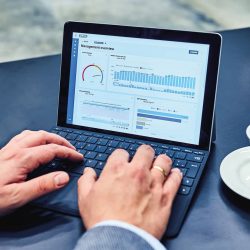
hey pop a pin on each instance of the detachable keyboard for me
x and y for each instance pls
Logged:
(96, 148)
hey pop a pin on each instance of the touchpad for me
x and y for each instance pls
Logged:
(63, 200)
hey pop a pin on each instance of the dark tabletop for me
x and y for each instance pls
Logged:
(217, 219)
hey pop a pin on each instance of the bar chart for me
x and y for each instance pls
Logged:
(167, 80)
(183, 86)
(145, 118)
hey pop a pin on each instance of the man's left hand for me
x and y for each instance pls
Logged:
(24, 153)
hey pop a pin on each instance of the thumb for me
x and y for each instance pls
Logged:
(86, 182)
(44, 184)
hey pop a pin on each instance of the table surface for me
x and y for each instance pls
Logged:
(217, 219)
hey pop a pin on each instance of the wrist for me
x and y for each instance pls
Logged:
(149, 238)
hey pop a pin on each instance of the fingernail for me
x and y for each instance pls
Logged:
(61, 179)
(177, 170)
(85, 170)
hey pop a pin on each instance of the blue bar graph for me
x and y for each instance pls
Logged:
(145, 87)
(167, 80)
(163, 118)
(139, 127)
(157, 115)
(150, 112)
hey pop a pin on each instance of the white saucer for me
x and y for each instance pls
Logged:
(235, 171)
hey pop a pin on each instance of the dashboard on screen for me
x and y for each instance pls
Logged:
(146, 87)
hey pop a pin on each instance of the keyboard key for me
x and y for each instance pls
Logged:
(100, 165)
(180, 155)
(102, 142)
(63, 134)
(82, 151)
(81, 138)
(80, 145)
(164, 146)
(72, 142)
(192, 172)
(180, 163)
(193, 165)
(110, 150)
(153, 145)
(109, 137)
(71, 136)
(77, 132)
(98, 135)
(187, 181)
(169, 153)
(57, 128)
(193, 157)
(184, 190)
(91, 163)
(158, 151)
(54, 165)
(183, 170)
(141, 142)
(101, 149)
(113, 144)
(90, 155)
(54, 131)
(90, 147)
(92, 140)
(65, 166)
(187, 151)
(119, 138)
(175, 148)
(68, 130)
(198, 152)
(123, 145)
(129, 140)
(87, 133)
(101, 157)
(133, 146)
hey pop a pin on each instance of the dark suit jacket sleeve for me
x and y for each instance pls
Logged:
(111, 237)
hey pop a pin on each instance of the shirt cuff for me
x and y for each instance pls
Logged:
(151, 240)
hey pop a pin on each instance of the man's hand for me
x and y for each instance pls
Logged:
(133, 192)
(24, 153)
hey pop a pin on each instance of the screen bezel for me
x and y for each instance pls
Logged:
(212, 39)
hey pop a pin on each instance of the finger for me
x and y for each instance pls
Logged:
(143, 157)
(36, 138)
(161, 162)
(21, 135)
(172, 184)
(118, 159)
(40, 155)
(18, 137)
(41, 185)
(85, 183)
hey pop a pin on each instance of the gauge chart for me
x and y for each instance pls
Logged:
(92, 73)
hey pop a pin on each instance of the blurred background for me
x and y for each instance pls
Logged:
(32, 28)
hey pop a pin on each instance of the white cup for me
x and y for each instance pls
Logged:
(248, 133)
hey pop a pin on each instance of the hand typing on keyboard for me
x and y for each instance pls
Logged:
(24, 153)
(139, 192)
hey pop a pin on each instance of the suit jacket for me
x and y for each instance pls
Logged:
(112, 237)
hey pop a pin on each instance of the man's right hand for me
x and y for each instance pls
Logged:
(135, 192)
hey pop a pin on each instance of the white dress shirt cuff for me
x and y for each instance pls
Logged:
(151, 240)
